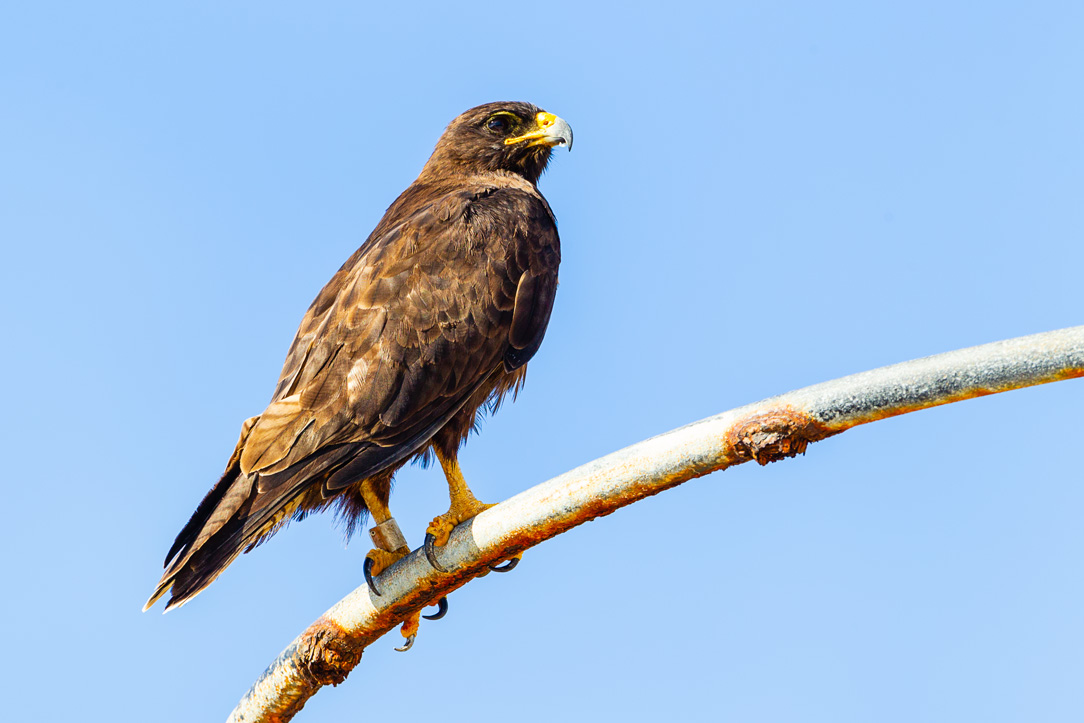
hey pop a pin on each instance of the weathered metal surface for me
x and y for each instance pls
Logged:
(776, 434)
(767, 431)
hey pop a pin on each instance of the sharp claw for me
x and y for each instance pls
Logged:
(367, 568)
(442, 610)
(431, 552)
(506, 567)
(407, 645)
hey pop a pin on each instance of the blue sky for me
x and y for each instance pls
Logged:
(762, 196)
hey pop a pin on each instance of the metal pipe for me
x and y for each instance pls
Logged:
(775, 428)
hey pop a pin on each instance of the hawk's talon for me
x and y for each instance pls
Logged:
(507, 566)
(442, 610)
(377, 561)
(367, 568)
(408, 644)
(431, 552)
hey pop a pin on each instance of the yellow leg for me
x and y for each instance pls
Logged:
(384, 558)
(381, 556)
(464, 504)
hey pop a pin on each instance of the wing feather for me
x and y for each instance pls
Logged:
(428, 315)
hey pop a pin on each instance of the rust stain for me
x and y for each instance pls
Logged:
(775, 434)
(327, 652)
(765, 437)
(1069, 374)
(900, 408)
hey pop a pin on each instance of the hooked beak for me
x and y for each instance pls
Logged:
(552, 131)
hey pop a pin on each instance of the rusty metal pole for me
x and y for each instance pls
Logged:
(766, 431)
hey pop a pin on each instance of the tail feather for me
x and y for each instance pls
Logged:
(207, 506)
(234, 517)
(242, 510)
(202, 568)
(211, 516)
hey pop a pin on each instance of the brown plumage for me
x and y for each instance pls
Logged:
(434, 317)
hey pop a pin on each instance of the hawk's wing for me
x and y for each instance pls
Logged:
(409, 328)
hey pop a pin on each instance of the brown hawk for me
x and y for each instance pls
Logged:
(434, 318)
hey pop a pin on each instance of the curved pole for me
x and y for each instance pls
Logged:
(767, 431)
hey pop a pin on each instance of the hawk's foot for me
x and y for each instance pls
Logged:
(436, 535)
(508, 565)
(379, 560)
(442, 525)
(409, 630)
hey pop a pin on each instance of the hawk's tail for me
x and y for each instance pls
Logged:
(241, 511)
(208, 543)
(214, 535)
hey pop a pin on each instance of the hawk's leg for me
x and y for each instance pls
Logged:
(388, 541)
(464, 506)
(390, 546)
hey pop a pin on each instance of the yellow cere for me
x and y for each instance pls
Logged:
(544, 121)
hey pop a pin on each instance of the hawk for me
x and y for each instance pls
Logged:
(430, 322)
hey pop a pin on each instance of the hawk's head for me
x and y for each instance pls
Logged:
(515, 137)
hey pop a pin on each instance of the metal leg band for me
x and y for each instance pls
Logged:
(387, 535)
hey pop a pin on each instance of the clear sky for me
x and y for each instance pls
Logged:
(762, 196)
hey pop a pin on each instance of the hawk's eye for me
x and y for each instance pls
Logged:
(498, 124)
